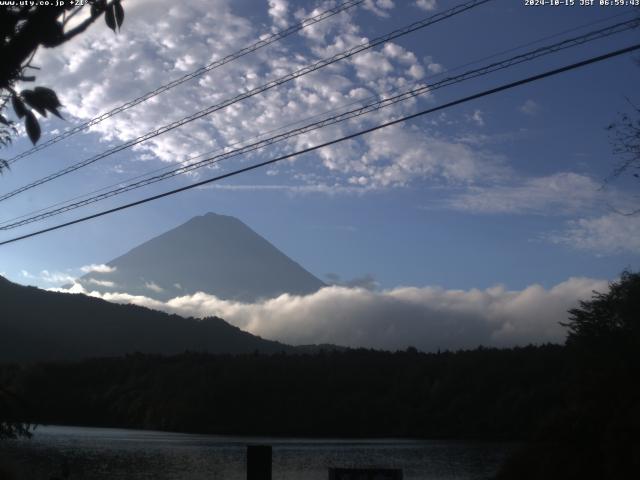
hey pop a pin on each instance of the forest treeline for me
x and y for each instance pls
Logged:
(484, 393)
(575, 406)
(595, 434)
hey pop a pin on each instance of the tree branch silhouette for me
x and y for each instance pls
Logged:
(24, 29)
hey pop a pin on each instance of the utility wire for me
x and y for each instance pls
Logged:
(275, 37)
(484, 93)
(326, 112)
(368, 108)
(267, 86)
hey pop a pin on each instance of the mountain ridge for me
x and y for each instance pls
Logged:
(40, 325)
(212, 253)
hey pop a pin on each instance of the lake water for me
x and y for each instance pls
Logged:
(105, 453)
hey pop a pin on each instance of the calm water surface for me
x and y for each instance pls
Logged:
(105, 453)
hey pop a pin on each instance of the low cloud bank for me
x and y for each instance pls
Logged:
(97, 268)
(428, 318)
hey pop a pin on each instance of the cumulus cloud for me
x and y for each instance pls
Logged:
(427, 5)
(428, 318)
(165, 39)
(607, 234)
(278, 10)
(98, 268)
(433, 67)
(379, 7)
(162, 41)
(416, 155)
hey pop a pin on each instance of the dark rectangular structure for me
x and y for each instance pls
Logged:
(365, 474)
(259, 462)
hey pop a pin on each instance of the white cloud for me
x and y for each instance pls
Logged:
(163, 39)
(607, 234)
(416, 71)
(560, 193)
(594, 227)
(427, 5)
(278, 10)
(101, 283)
(433, 67)
(477, 118)
(379, 7)
(320, 188)
(98, 268)
(45, 276)
(427, 318)
(158, 43)
(530, 107)
(397, 156)
(154, 287)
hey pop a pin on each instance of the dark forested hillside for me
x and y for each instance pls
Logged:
(483, 393)
(41, 325)
(595, 435)
(577, 405)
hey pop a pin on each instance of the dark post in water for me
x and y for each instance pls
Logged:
(258, 462)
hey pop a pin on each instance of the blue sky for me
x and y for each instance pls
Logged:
(503, 190)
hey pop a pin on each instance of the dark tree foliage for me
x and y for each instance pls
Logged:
(36, 324)
(626, 142)
(13, 409)
(596, 433)
(484, 393)
(610, 319)
(23, 29)
(625, 139)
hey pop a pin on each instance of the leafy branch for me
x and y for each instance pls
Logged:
(23, 29)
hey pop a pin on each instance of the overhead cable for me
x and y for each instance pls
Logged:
(267, 40)
(267, 86)
(357, 112)
(362, 101)
(469, 98)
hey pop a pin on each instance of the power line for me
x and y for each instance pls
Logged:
(275, 37)
(485, 93)
(274, 83)
(367, 108)
(296, 122)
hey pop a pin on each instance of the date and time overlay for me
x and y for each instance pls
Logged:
(526, 3)
(582, 3)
